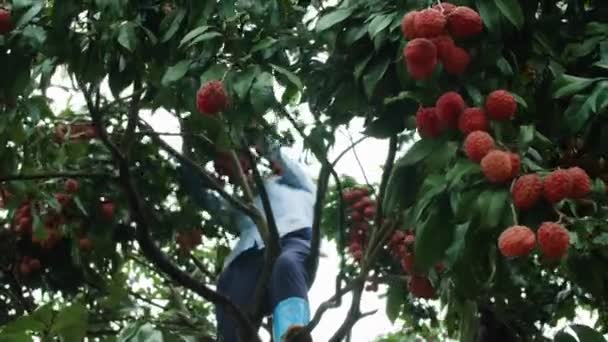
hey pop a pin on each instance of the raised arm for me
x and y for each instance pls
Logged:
(293, 174)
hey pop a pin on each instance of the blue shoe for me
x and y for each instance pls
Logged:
(291, 311)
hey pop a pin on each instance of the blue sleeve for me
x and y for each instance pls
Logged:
(293, 173)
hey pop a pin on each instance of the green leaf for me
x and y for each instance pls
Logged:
(176, 72)
(360, 67)
(293, 78)
(433, 235)
(332, 18)
(419, 151)
(177, 16)
(490, 15)
(587, 334)
(496, 207)
(395, 297)
(456, 249)
(525, 137)
(401, 188)
(127, 37)
(71, 323)
(193, 34)
(29, 15)
(203, 37)
(573, 85)
(563, 336)
(371, 79)
(461, 168)
(215, 72)
(512, 11)
(244, 79)
(379, 23)
(262, 94)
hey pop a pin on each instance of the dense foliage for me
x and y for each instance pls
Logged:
(103, 236)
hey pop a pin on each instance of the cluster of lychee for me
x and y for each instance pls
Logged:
(52, 219)
(401, 247)
(362, 211)
(6, 22)
(530, 189)
(518, 241)
(431, 34)
(212, 98)
(451, 112)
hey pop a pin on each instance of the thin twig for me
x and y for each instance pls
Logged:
(388, 169)
(350, 137)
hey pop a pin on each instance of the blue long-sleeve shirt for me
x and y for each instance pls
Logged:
(292, 198)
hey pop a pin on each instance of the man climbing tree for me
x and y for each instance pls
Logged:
(291, 195)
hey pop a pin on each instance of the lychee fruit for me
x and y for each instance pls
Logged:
(477, 145)
(408, 26)
(557, 185)
(500, 105)
(420, 72)
(107, 209)
(516, 241)
(464, 22)
(515, 164)
(449, 106)
(369, 212)
(63, 199)
(496, 166)
(581, 183)
(71, 186)
(407, 263)
(444, 44)
(428, 123)
(553, 240)
(456, 60)
(429, 23)
(420, 51)
(85, 244)
(35, 265)
(212, 98)
(527, 191)
(6, 22)
(473, 119)
(421, 287)
(445, 7)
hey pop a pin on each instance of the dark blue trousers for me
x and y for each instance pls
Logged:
(289, 278)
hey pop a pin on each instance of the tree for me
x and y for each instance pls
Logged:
(100, 221)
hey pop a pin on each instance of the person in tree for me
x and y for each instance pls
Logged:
(292, 195)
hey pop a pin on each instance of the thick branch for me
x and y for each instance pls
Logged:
(147, 245)
(213, 184)
(132, 118)
(51, 175)
(388, 169)
(273, 247)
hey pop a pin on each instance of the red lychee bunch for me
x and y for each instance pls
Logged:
(23, 219)
(497, 166)
(107, 208)
(449, 106)
(553, 240)
(433, 26)
(420, 57)
(401, 247)
(362, 211)
(557, 185)
(29, 265)
(477, 145)
(85, 244)
(500, 105)
(428, 123)
(473, 119)
(6, 22)
(516, 241)
(188, 240)
(71, 186)
(527, 191)
(212, 98)
(581, 183)
(420, 287)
